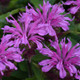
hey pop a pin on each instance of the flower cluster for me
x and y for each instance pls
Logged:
(31, 28)
(23, 34)
(49, 19)
(74, 9)
(8, 54)
(64, 59)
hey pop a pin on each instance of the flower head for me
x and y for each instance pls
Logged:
(74, 9)
(23, 34)
(66, 58)
(7, 55)
(49, 18)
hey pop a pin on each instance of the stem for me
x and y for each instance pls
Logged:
(29, 69)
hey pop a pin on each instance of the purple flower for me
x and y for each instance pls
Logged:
(8, 54)
(66, 58)
(49, 18)
(23, 34)
(74, 9)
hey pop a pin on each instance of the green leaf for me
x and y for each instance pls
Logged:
(73, 41)
(38, 57)
(78, 27)
(37, 72)
(74, 38)
(74, 28)
(12, 3)
(36, 2)
(17, 4)
(12, 13)
(19, 74)
(33, 78)
(2, 17)
(23, 66)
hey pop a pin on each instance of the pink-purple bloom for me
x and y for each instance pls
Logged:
(64, 59)
(8, 54)
(76, 6)
(23, 33)
(49, 17)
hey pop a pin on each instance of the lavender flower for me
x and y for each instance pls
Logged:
(74, 9)
(64, 59)
(49, 18)
(23, 34)
(8, 54)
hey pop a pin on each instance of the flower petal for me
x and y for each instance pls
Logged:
(46, 68)
(60, 67)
